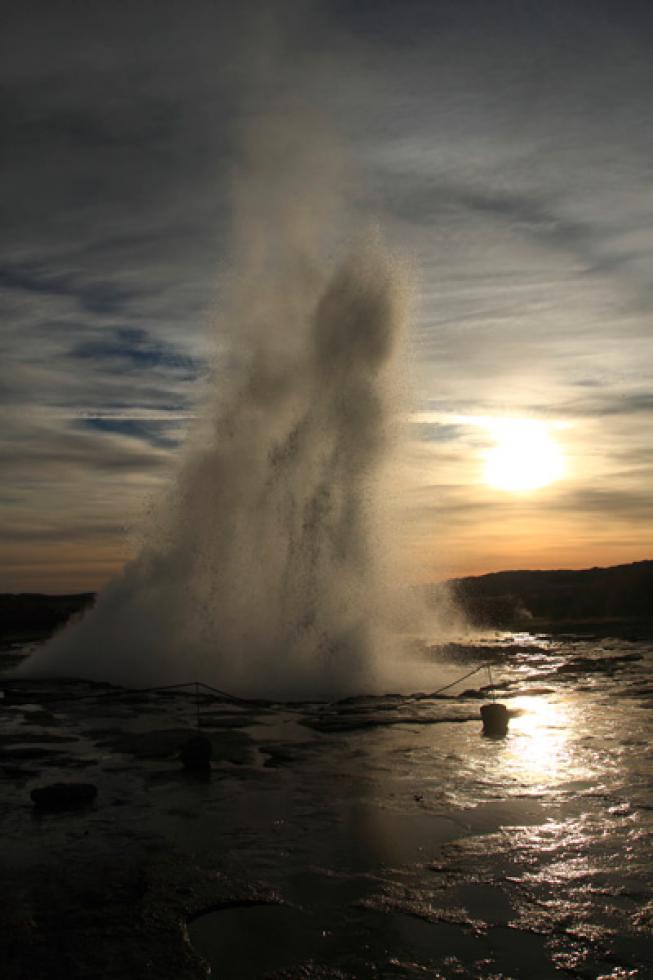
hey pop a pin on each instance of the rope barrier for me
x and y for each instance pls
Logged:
(459, 679)
(129, 691)
(225, 695)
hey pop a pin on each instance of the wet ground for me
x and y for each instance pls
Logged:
(372, 838)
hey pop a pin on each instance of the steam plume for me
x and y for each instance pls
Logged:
(266, 569)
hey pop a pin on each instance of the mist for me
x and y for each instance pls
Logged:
(271, 565)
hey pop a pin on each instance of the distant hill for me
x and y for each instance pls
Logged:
(34, 614)
(561, 596)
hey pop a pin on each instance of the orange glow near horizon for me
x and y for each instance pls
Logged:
(457, 553)
(454, 520)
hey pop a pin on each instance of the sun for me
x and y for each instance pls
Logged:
(524, 457)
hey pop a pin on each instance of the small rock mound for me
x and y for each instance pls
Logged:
(63, 796)
(196, 753)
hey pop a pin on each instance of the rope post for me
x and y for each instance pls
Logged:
(197, 704)
(489, 673)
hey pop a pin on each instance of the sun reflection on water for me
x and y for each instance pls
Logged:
(539, 748)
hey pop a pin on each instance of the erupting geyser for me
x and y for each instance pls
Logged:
(267, 568)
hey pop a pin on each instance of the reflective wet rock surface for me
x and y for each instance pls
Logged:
(375, 837)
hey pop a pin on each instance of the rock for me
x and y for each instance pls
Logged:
(196, 753)
(63, 796)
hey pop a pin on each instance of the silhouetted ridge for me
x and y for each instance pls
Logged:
(563, 595)
(33, 613)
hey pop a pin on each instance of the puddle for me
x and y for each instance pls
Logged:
(257, 941)
(246, 943)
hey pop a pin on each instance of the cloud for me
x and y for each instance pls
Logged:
(631, 506)
(69, 451)
(607, 403)
(503, 148)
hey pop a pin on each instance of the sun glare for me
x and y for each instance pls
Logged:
(524, 457)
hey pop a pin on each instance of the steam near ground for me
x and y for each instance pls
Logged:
(270, 568)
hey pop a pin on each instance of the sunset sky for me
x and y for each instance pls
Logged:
(504, 148)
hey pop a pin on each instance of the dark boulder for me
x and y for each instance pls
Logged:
(63, 796)
(196, 753)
